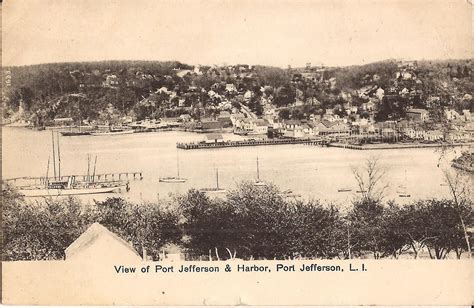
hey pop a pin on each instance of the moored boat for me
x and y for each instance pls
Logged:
(55, 186)
(51, 191)
(216, 189)
(113, 132)
(259, 182)
(403, 193)
(174, 179)
(67, 134)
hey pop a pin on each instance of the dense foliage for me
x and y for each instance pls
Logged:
(251, 222)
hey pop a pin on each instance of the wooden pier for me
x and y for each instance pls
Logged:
(102, 178)
(248, 143)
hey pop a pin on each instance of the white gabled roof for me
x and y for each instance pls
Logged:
(95, 232)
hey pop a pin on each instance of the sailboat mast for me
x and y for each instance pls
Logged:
(177, 161)
(54, 155)
(88, 167)
(47, 173)
(59, 159)
(258, 171)
(217, 177)
(93, 174)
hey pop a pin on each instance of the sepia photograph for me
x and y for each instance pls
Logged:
(239, 150)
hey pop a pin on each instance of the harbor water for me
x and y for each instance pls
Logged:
(311, 171)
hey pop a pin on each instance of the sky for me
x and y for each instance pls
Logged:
(266, 32)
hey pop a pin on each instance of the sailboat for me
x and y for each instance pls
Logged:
(174, 179)
(259, 182)
(402, 193)
(216, 189)
(58, 187)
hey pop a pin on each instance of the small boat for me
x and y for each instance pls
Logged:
(344, 189)
(259, 182)
(361, 191)
(216, 189)
(174, 179)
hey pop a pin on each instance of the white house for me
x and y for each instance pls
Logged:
(434, 135)
(260, 127)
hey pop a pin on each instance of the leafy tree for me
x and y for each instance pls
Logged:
(366, 233)
(284, 96)
(284, 113)
(38, 231)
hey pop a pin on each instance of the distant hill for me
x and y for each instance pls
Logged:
(108, 90)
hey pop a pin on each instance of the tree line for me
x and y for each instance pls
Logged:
(249, 223)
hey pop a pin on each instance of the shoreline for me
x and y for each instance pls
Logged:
(396, 146)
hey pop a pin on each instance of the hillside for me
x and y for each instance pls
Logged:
(110, 90)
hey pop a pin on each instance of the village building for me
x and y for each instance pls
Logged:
(467, 115)
(235, 117)
(292, 124)
(111, 81)
(214, 138)
(418, 115)
(433, 135)
(208, 125)
(185, 118)
(452, 114)
(332, 128)
(171, 121)
(260, 127)
(225, 119)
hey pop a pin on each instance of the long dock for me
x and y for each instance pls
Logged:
(247, 143)
(102, 177)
